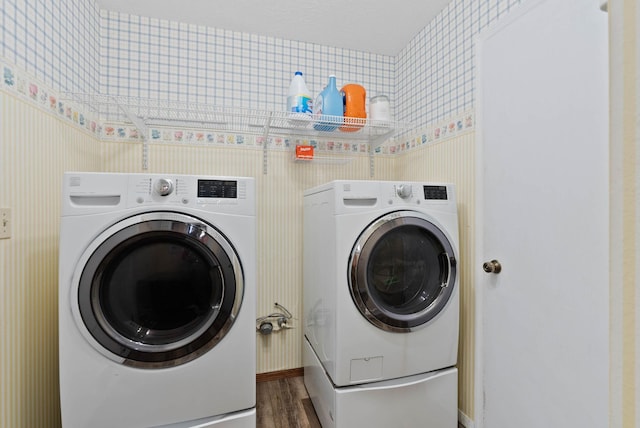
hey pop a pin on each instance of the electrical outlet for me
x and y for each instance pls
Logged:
(5, 223)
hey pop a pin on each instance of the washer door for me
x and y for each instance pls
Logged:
(158, 289)
(402, 271)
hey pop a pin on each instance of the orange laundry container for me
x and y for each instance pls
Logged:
(354, 101)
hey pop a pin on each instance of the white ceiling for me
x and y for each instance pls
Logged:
(377, 26)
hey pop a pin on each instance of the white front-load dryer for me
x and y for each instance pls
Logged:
(157, 301)
(381, 299)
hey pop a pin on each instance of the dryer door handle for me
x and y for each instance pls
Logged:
(446, 263)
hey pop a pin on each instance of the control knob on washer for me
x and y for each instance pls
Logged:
(164, 186)
(404, 191)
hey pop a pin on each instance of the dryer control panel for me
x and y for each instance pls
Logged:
(430, 192)
(435, 192)
(101, 192)
(226, 189)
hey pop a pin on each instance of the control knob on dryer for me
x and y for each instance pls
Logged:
(164, 186)
(404, 191)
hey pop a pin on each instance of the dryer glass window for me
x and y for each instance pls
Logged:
(160, 292)
(402, 271)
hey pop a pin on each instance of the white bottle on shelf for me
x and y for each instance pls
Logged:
(299, 103)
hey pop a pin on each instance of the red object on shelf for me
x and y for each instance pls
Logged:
(304, 152)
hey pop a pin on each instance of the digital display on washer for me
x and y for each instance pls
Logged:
(218, 189)
(435, 192)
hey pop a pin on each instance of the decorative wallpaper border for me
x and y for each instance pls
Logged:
(434, 133)
(175, 135)
(20, 83)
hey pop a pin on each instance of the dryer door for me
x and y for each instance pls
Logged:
(402, 271)
(158, 289)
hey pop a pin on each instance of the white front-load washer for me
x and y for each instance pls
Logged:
(157, 301)
(381, 299)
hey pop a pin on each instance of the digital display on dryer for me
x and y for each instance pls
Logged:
(435, 192)
(227, 189)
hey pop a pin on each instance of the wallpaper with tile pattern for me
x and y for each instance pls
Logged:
(56, 41)
(435, 72)
(151, 58)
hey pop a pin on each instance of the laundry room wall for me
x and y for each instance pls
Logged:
(47, 48)
(158, 59)
(55, 42)
(35, 149)
(44, 47)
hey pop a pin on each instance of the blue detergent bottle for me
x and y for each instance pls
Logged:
(328, 107)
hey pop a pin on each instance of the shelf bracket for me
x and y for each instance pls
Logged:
(379, 140)
(142, 131)
(145, 155)
(371, 161)
(373, 145)
(265, 143)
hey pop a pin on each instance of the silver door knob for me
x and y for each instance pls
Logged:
(493, 266)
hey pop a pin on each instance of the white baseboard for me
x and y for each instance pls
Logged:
(465, 420)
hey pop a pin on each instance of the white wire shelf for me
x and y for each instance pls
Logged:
(147, 113)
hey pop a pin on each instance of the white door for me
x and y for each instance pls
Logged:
(542, 324)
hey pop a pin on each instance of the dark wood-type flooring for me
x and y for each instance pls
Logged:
(284, 403)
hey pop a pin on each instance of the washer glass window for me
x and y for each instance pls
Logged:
(160, 292)
(402, 271)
